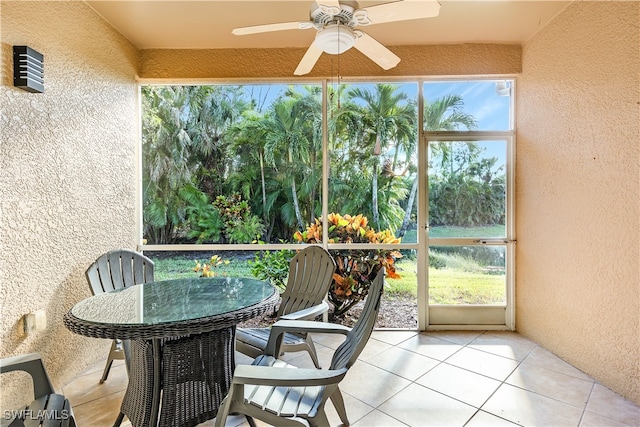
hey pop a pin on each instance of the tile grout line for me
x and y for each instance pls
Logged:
(441, 362)
(584, 410)
(444, 361)
(502, 383)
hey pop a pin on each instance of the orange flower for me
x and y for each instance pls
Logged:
(391, 273)
(354, 268)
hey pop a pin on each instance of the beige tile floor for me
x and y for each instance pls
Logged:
(405, 378)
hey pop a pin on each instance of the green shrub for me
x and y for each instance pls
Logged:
(240, 226)
(203, 220)
(272, 266)
(436, 260)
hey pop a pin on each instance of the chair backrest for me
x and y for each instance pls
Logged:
(118, 269)
(310, 275)
(348, 352)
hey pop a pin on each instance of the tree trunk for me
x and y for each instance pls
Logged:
(374, 197)
(409, 208)
(296, 205)
(264, 192)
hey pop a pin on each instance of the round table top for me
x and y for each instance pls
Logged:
(171, 308)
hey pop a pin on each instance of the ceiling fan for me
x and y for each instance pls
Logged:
(335, 22)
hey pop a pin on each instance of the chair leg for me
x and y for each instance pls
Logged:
(321, 420)
(223, 412)
(312, 351)
(115, 352)
(338, 403)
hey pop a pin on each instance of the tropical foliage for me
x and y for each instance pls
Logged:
(355, 268)
(237, 164)
(239, 225)
(272, 266)
(465, 188)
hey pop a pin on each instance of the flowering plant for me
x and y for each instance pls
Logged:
(355, 268)
(208, 269)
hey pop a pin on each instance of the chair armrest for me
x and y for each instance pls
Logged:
(308, 326)
(286, 377)
(279, 328)
(32, 364)
(307, 313)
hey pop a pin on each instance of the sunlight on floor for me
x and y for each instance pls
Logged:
(403, 378)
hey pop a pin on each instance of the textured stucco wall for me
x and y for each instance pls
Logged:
(436, 60)
(67, 175)
(578, 191)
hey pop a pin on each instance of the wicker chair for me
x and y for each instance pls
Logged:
(310, 275)
(118, 269)
(278, 395)
(49, 406)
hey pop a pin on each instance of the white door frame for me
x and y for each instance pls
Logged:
(495, 317)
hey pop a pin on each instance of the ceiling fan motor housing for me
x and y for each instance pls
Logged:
(322, 15)
(335, 28)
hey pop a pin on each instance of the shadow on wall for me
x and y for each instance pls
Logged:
(7, 64)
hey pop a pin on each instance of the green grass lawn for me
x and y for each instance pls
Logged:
(459, 287)
(449, 285)
(446, 285)
(182, 266)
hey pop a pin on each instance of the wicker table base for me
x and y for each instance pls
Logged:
(197, 376)
(194, 378)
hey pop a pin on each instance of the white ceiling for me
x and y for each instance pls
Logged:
(174, 24)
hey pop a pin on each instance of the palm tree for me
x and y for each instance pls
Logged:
(214, 111)
(443, 114)
(247, 146)
(184, 136)
(167, 159)
(282, 146)
(287, 138)
(389, 119)
(309, 106)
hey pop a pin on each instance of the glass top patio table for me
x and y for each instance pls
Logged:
(182, 335)
(171, 308)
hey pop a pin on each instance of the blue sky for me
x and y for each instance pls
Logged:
(480, 99)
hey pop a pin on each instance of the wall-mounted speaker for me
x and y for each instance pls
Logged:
(28, 69)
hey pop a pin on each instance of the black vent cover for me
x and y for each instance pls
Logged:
(28, 69)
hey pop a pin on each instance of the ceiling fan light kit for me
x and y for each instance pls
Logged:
(335, 39)
(335, 21)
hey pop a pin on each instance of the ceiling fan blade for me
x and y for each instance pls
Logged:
(404, 10)
(376, 51)
(302, 25)
(308, 60)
